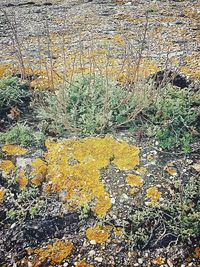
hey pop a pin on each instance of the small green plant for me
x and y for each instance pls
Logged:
(178, 218)
(26, 203)
(92, 104)
(22, 134)
(83, 211)
(173, 117)
(12, 92)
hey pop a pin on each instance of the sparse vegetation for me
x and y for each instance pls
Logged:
(177, 218)
(93, 104)
(12, 92)
(173, 116)
(22, 134)
(99, 150)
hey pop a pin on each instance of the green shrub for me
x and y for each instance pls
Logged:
(22, 134)
(91, 104)
(173, 116)
(12, 92)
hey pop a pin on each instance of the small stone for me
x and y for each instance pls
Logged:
(13, 225)
(93, 242)
(113, 200)
(136, 264)
(65, 264)
(170, 263)
(125, 197)
(140, 261)
(98, 259)
(91, 253)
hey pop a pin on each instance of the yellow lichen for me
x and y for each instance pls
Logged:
(197, 252)
(81, 180)
(98, 233)
(171, 170)
(103, 205)
(83, 264)
(126, 157)
(133, 190)
(61, 250)
(14, 150)
(5, 69)
(56, 252)
(159, 260)
(38, 172)
(22, 179)
(141, 170)
(2, 194)
(119, 40)
(153, 194)
(134, 180)
(7, 166)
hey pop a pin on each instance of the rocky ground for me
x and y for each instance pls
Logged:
(114, 34)
(43, 224)
(39, 216)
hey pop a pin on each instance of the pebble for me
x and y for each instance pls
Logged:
(128, 4)
(91, 253)
(113, 200)
(140, 261)
(98, 259)
(13, 226)
(124, 196)
(93, 242)
(170, 263)
(85, 244)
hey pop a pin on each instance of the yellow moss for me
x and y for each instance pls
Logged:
(2, 194)
(14, 150)
(7, 166)
(57, 252)
(38, 172)
(81, 181)
(153, 194)
(22, 179)
(134, 180)
(98, 233)
(83, 264)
